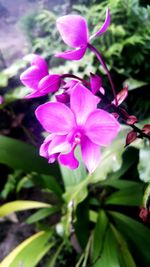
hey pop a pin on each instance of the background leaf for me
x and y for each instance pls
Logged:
(20, 205)
(20, 155)
(29, 252)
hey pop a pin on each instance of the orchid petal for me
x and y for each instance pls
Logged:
(50, 83)
(38, 61)
(58, 144)
(73, 30)
(45, 145)
(31, 77)
(63, 98)
(96, 83)
(105, 25)
(72, 54)
(69, 85)
(101, 127)
(82, 102)
(90, 153)
(55, 117)
(35, 94)
(121, 96)
(69, 160)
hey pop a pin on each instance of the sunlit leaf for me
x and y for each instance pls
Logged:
(29, 252)
(144, 166)
(134, 84)
(20, 205)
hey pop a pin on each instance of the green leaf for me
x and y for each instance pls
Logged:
(29, 252)
(20, 155)
(111, 158)
(20, 205)
(77, 193)
(17, 93)
(119, 184)
(136, 234)
(134, 84)
(73, 177)
(41, 214)
(82, 223)
(99, 235)
(49, 182)
(130, 196)
(53, 259)
(144, 166)
(126, 258)
(109, 255)
(3, 79)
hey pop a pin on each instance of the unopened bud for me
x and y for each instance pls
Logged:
(131, 136)
(132, 120)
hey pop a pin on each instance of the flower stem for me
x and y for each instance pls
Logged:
(100, 59)
(67, 75)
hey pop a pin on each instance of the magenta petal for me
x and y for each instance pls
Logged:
(31, 77)
(96, 83)
(82, 102)
(35, 94)
(63, 98)
(69, 85)
(104, 26)
(50, 83)
(90, 154)
(69, 160)
(45, 145)
(58, 144)
(72, 54)
(121, 96)
(38, 61)
(101, 127)
(73, 30)
(55, 117)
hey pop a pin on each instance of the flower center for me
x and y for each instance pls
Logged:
(77, 138)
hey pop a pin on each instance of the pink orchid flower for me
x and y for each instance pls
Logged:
(81, 124)
(38, 79)
(74, 32)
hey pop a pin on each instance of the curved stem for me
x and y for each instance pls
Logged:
(67, 75)
(100, 59)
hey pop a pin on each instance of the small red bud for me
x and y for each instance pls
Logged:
(146, 129)
(132, 120)
(131, 136)
(144, 213)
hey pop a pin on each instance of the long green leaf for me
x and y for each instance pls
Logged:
(20, 155)
(42, 214)
(29, 252)
(130, 196)
(99, 235)
(72, 178)
(109, 255)
(53, 259)
(136, 233)
(20, 205)
(126, 258)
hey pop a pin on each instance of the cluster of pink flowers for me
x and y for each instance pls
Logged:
(73, 119)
